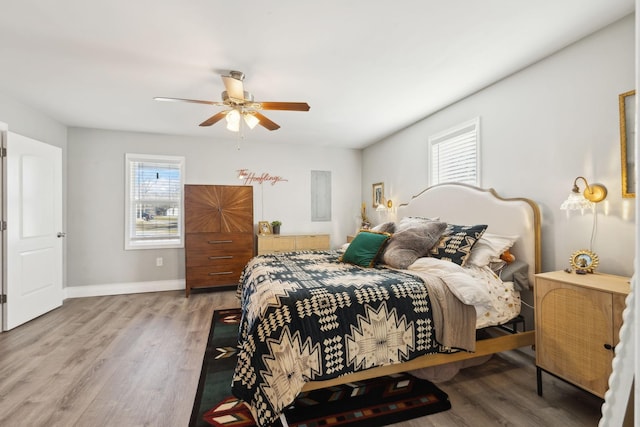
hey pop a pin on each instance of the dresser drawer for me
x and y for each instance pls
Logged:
(218, 243)
(228, 273)
(210, 258)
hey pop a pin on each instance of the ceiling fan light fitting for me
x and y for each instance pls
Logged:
(240, 105)
(251, 120)
(233, 120)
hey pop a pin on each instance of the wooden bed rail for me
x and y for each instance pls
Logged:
(483, 348)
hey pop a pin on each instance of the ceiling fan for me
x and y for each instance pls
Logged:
(240, 105)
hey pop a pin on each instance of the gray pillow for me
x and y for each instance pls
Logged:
(516, 272)
(411, 243)
(412, 221)
(385, 227)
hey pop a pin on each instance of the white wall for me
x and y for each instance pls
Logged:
(95, 235)
(30, 122)
(540, 128)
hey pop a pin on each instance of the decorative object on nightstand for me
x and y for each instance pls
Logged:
(275, 227)
(578, 319)
(585, 261)
(264, 227)
(364, 220)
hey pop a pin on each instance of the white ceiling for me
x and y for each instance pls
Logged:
(367, 68)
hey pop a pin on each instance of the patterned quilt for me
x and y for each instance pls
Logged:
(307, 316)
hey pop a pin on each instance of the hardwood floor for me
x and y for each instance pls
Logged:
(134, 360)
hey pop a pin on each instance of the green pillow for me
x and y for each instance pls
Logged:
(364, 248)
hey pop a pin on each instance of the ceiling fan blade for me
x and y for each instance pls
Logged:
(267, 123)
(289, 106)
(196, 101)
(214, 119)
(234, 87)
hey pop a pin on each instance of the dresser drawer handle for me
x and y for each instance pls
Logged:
(610, 347)
(221, 257)
(214, 242)
(221, 273)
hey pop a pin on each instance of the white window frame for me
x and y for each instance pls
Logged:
(132, 243)
(464, 141)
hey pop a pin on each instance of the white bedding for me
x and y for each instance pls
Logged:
(495, 301)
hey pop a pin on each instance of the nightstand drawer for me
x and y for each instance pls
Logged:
(268, 244)
(317, 242)
(271, 244)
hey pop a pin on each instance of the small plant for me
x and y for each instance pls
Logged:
(275, 227)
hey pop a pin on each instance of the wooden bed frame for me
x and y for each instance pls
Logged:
(464, 204)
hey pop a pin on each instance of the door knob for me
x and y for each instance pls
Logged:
(61, 234)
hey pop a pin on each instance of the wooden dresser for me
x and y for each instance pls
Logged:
(578, 319)
(219, 234)
(271, 243)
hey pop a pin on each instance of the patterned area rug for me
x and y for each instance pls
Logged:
(376, 402)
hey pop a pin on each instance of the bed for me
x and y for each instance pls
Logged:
(322, 318)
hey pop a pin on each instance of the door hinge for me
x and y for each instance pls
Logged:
(3, 152)
(3, 225)
(3, 299)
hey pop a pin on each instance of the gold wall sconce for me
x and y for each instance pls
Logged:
(594, 193)
(585, 261)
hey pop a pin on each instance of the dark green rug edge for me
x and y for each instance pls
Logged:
(196, 419)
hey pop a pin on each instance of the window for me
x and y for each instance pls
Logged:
(455, 154)
(153, 205)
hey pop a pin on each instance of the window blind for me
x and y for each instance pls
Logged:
(454, 155)
(154, 208)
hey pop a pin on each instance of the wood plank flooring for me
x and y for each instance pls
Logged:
(134, 360)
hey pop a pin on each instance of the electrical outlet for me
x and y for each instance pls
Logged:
(159, 261)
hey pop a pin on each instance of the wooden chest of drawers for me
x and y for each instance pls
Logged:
(219, 234)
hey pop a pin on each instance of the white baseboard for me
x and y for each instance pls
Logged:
(123, 288)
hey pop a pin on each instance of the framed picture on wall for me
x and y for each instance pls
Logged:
(378, 194)
(264, 227)
(627, 137)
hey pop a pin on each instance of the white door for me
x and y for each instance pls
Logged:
(3, 143)
(33, 211)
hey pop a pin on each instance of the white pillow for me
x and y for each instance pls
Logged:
(488, 248)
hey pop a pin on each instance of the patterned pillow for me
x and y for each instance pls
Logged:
(456, 243)
(364, 248)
